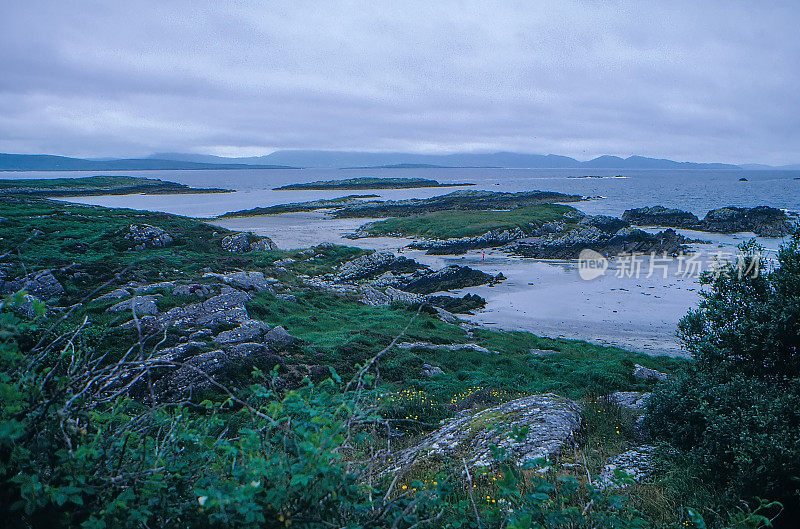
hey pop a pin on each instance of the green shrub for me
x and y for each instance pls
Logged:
(735, 411)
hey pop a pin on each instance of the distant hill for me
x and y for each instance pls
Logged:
(45, 162)
(397, 160)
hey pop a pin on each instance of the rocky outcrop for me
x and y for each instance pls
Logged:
(42, 285)
(246, 242)
(252, 280)
(449, 278)
(144, 236)
(606, 235)
(762, 220)
(375, 264)
(635, 464)
(458, 245)
(227, 308)
(548, 422)
(249, 331)
(661, 216)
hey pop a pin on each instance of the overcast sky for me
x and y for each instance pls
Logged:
(701, 81)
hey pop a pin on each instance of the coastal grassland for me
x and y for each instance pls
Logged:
(47, 234)
(450, 224)
(97, 185)
(369, 183)
(260, 455)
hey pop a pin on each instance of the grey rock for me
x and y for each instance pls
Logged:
(459, 245)
(637, 463)
(278, 339)
(223, 309)
(119, 293)
(181, 351)
(447, 317)
(431, 371)
(551, 421)
(646, 373)
(396, 295)
(249, 331)
(373, 297)
(146, 236)
(543, 352)
(145, 305)
(197, 289)
(444, 347)
(283, 262)
(246, 349)
(633, 400)
(252, 280)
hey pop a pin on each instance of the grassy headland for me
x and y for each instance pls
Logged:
(370, 183)
(450, 224)
(98, 185)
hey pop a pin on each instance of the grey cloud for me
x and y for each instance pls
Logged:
(710, 81)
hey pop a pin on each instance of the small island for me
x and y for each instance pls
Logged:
(369, 183)
(98, 185)
(298, 207)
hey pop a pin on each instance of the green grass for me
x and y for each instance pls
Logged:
(459, 223)
(370, 183)
(96, 185)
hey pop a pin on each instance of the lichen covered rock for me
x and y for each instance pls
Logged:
(548, 422)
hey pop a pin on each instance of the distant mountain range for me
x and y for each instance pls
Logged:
(353, 159)
(46, 162)
(291, 159)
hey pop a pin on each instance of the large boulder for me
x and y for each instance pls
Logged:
(146, 236)
(548, 422)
